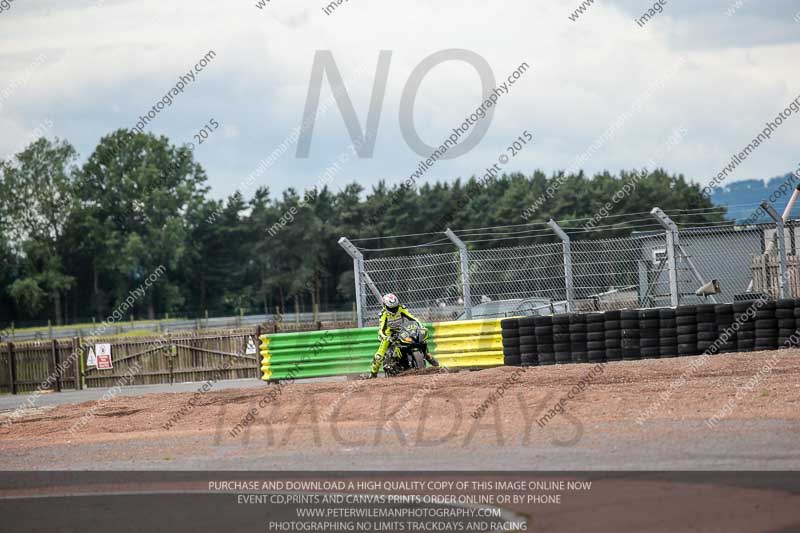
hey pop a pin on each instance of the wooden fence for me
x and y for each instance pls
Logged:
(58, 365)
(766, 275)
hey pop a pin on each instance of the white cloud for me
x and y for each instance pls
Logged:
(107, 65)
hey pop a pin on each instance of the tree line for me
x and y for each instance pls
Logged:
(75, 239)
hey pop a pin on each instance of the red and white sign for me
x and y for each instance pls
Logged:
(103, 352)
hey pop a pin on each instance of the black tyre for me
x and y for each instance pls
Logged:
(650, 353)
(742, 307)
(764, 346)
(513, 360)
(686, 330)
(668, 351)
(529, 359)
(595, 318)
(595, 327)
(547, 358)
(650, 324)
(596, 356)
(766, 324)
(577, 337)
(580, 357)
(708, 318)
(561, 319)
(511, 343)
(666, 313)
(542, 331)
(509, 323)
(563, 357)
(631, 354)
(649, 314)
(686, 320)
(596, 336)
(784, 313)
(559, 338)
(560, 328)
(707, 337)
(646, 342)
(611, 315)
(528, 348)
(596, 346)
(613, 324)
(613, 343)
(629, 324)
(513, 352)
(766, 333)
(667, 323)
(526, 322)
(525, 331)
(630, 344)
(541, 321)
(666, 333)
(613, 354)
(723, 309)
(687, 339)
(687, 349)
(686, 310)
(787, 323)
(785, 304)
(562, 347)
(629, 314)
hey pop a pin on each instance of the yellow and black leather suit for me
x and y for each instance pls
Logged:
(391, 322)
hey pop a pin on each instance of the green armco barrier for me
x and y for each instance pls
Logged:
(317, 353)
(311, 354)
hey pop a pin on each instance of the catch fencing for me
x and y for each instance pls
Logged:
(658, 264)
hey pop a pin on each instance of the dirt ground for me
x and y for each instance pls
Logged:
(735, 411)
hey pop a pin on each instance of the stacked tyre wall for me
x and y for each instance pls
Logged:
(633, 334)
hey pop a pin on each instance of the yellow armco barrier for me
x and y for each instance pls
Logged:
(468, 343)
(265, 371)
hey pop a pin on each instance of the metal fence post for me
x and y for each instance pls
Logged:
(362, 279)
(780, 235)
(672, 244)
(569, 281)
(465, 283)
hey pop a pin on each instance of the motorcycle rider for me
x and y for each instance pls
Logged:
(390, 323)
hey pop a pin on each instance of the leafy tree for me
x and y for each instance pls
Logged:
(141, 190)
(36, 200)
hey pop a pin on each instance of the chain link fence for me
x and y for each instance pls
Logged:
(583, 270)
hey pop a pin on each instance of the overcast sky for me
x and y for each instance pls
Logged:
(719, 77)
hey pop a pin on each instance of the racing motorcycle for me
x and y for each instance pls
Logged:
(409, 346)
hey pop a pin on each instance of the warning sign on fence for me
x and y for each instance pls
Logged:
(103, 354)
(91, 359)
(251, 347)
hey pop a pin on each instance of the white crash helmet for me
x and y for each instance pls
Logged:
(391, 302)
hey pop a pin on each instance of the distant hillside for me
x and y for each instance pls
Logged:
(743, 196)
